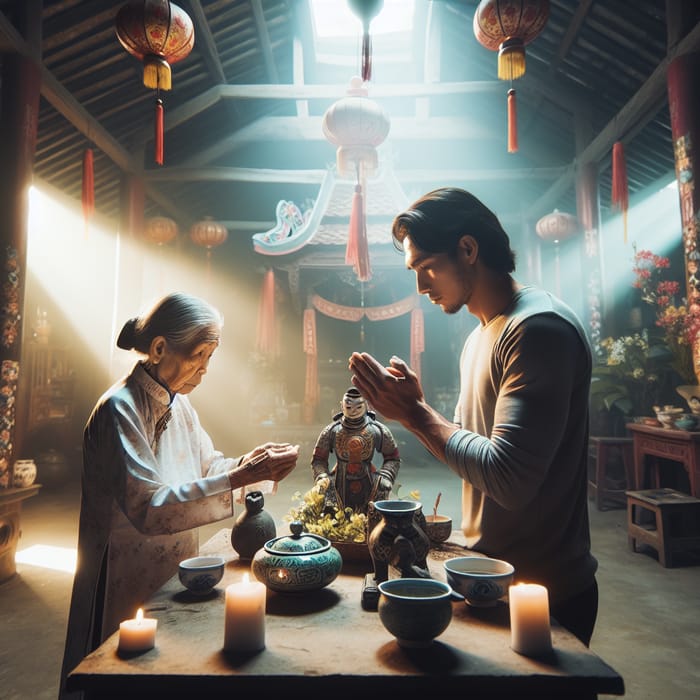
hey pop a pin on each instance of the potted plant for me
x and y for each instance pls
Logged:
(630, 377)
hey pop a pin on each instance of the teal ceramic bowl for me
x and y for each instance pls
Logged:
(415, 610)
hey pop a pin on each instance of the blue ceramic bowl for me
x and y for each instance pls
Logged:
(481, 580)
(199, 575)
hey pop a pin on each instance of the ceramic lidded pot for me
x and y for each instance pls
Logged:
(297, 562)
(253, 527)
(24, 473)
(686, 421)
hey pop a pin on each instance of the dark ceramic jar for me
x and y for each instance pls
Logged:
(253, 527)
(399, 532)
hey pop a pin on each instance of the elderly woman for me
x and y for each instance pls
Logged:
(151, 475)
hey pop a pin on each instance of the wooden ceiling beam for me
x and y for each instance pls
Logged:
(298, 129)
(315, 177)
(188, 110)
(265, 43)
(205, 42)
(219, 174)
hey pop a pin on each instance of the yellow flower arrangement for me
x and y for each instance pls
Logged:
(339, 526)
(343, 526)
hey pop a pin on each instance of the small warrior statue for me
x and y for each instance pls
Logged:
(354, 436)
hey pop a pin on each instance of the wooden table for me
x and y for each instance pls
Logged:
(324, 644)
(677, 445)
(10, 515)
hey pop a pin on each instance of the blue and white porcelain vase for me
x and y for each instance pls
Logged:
(24, 473)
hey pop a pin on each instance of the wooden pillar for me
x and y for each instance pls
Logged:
(18, 123)
(588, 212)
(684, 106)
(129, 288)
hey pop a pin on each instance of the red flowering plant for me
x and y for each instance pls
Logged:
(679, 324)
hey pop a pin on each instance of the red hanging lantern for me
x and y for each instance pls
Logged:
(160, 230)
(357, 125)
(158, 33)
(555, 228)
(208, 234)
(507, 26)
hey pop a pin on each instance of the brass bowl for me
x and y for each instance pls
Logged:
(438, 527)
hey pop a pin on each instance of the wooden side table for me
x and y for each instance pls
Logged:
(10, 511)
(677, 445)
(676, 527)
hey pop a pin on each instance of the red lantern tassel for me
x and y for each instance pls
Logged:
(357, 250)
(159, 132)
(88, 194)
(620, 190)
(512, 122)
(366, 56)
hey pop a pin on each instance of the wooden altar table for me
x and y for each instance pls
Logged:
(323, 644)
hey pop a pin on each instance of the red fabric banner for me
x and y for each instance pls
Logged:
(267, 340)
(417, 340)
(312, 392)
(355, 313)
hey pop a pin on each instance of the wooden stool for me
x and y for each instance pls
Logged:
(601, 450)
(676, 525)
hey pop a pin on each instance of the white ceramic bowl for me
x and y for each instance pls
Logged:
(668, 415)
(481, 580)
(199, 575)
(415, 610)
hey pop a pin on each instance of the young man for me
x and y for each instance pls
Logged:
(520, 431)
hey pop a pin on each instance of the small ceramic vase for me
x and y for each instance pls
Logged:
(24, 473)
(253, 527)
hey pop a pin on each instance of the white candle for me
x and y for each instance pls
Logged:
(244, 628)
(530, 632)
(138, 634)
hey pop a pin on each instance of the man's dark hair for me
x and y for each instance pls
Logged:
(437, 221)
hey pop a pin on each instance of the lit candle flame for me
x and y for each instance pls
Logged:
(246, 578)
(139, 616)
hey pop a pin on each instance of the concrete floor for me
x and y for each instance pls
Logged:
(648, 625)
